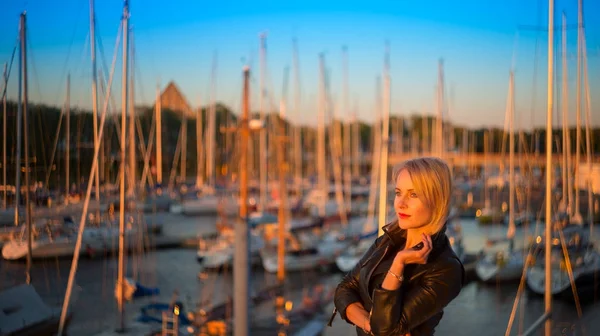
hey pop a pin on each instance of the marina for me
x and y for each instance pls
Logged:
(482, 309)
(218, 218)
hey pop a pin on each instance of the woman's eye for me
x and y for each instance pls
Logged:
(414, 195)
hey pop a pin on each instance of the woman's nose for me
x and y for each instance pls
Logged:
(402, 201)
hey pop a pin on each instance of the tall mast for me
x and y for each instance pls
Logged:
(356, 143)
(23, 100)
(158, 116)
(347, 156)
(131, 96)
(199, 158)
(68, 139)
(565, 102)
(281, 163)
(183, 148)
(511, 158)
(385, 134)
(124, 108)
(263, 133)
(588, 135)
(321, 167)
(211, 127)
(548, 231)
(94, 94)
(19, 126)
(4, 131)
(240, 258)
(439, 132)
(298, 162)
(578, 103)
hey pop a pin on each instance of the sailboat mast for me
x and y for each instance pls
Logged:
(298, 162)
(439, 138)
(511, 158)
(23, 100)
(588, 135)
(131, 97)
(578, 103)
(4, 131)
(263, 132)
(347, 157)
(240, 258)
(211, 127)
(283, 193)
(199, 161)
(548, 230)
(68, 138)
(321, 168)
(565, 104)
(158, 116)
(124, 108)
(375, 158)
(94, 94)
(183, 148)
(356, 143)
(19, 127)
(385, 134)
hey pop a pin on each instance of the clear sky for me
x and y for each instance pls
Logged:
(176, 40)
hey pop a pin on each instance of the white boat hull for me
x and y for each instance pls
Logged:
(324, 256)
(221, 253)
(561, 283)
(94, 241)
(202, 206)
(509, 268)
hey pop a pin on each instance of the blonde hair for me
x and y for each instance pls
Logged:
(432, 177)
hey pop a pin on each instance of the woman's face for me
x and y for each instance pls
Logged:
(409, 204)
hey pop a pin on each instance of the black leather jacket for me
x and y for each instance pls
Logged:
(417, 306)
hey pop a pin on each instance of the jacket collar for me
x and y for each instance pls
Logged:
(397, 235)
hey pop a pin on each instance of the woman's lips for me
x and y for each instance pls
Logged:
(403, 216)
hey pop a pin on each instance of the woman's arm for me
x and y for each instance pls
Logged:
(357, 315)
(346, 293)
(396, 312)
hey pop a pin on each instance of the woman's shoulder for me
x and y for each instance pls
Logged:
(448, 264)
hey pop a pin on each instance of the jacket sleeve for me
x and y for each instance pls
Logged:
(347, 291)
(400, 311)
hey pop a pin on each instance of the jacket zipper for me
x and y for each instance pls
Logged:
(373, 270)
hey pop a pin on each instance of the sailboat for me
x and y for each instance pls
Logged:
(307, 248)
(574, 258)
(505, 265)
(550, 283)
(218, 253)
(59, 240)
(350, 256)
(22, 311)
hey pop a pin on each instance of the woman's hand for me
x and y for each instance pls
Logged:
(415, 256)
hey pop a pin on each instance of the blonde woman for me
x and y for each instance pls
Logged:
(403, 282)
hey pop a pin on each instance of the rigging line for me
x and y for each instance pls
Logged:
(139, 82)
(94, 171)
(34, 71)
(64, 71)
(40, 125)
(12, 58)
(103, 66)
(54, 147)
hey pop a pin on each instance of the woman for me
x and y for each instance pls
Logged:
(403, 282)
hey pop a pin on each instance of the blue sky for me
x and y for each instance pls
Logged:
(176, 40)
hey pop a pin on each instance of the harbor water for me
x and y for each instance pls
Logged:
(480, 309)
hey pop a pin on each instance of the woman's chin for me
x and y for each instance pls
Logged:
(404, 225)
